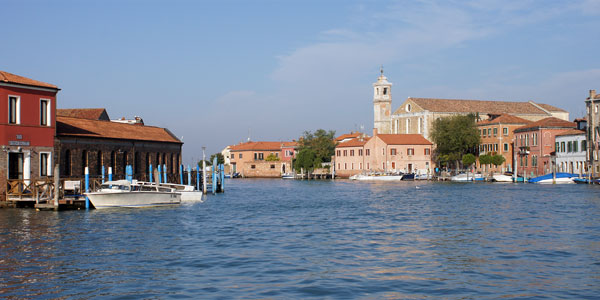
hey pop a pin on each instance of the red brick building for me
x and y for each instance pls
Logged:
(497, 135)
(535, 143)
(27, 127)
(87, 138)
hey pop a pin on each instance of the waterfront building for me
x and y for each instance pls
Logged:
(87, 138)
(570, 151)
(288, 151)
(497, 134)
(416, 115)
(408, 153)
(535, 145)
(592, 104)
(27, 126)
(349, 156)
(260, 159)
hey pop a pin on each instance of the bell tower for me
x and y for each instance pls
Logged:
(382, 104)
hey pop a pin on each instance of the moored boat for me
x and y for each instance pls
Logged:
(558, 178)
(122, 193)
(377, 177)
(466, 177)
(502, 178)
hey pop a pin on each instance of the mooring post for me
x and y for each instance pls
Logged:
(130, 173)
(87, 187)
(197, 178)
(150, 175)
(214, 174)
(159, 174)
(165, 173)
(103, 174)
(56, 184)
(180, 174)
(222, 173)
(109, 173)
(189, 171)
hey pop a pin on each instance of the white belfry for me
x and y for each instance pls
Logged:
(382, 104)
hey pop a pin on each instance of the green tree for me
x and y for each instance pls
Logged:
(305, 159)
(455, 136)
(208, 163)
(321, 144)
(468, 159)
(272, 157)
(497, 160)
(220, 158)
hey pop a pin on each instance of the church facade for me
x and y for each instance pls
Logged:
(416, 115)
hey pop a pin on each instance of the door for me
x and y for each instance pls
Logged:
(15, 165)
(410, 169)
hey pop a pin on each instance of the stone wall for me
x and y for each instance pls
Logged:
(263, 168)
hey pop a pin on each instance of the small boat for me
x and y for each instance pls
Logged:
(410, 176)
(122, 193)
(423, 177)
(558, 178)
(377, 177)
(188, 192)
(288, 176)
(466, 177)
(502, 178)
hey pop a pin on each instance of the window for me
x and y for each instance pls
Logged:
(556, 147)
(351, 152)
(338, 166)
(44, 112)
(575, 144)
(427, 151)
(505, 147)
(367, 152)
(272, 166)
(339, 153)
(505, 131)
(382, 151)
(583, 145)
(45, 164)
(385, 91)
(489, 132)
(562, 146)
(393, 151)
(14, 110)
(253, 167)
(345, 166)
(345, 152)
(410, 151)
(394, 165)
(240, 155)
(360, 152)
(534, 161)
(569, 147)
(352, 166)
(495, 131)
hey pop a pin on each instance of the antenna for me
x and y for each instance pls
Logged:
(248, 134)
(381, 69)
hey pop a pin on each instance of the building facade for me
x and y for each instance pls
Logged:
(571, 152)
(592, 104)
(408, 153)
(27, 127)
(97, 143)
(497, 136)
(535, 145)
(259, 159)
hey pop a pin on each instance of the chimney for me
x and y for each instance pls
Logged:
(374, 131)
(592, 94)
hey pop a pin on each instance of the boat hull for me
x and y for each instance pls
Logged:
(377, 177)
(133, 199)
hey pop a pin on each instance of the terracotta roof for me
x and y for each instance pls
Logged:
(550, 122)
(84, 113)
(481, 106)
(289, 144)
(257, 146)
(551, 108)
(404, 139)
(76, 127)
(12, 78)
(354, 143)
(571, 132)
(347, 136)
(504, 119)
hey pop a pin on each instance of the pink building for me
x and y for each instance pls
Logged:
(409, 153)
(535, 142)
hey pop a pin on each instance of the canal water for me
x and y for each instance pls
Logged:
(287, 239)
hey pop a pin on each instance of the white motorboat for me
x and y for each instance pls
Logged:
(122, 193)
(502, 178)
(377, 177)
(466, 177)
(288, 176)
(188, 192)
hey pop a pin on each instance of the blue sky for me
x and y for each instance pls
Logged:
(214, 71)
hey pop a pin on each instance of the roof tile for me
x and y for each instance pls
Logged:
(12, 78)
(482, 106)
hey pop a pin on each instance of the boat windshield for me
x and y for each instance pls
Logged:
(114, 187)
